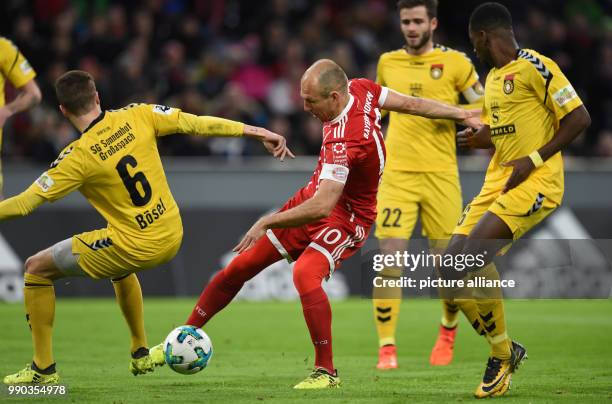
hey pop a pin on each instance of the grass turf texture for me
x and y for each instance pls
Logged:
(262, 349)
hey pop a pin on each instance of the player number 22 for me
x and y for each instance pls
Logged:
(130, 181)
(388, 216)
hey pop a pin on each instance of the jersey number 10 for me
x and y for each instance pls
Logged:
(130, 181)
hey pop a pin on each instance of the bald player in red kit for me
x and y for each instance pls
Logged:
(330, 218)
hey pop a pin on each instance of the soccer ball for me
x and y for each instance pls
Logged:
(187, 349)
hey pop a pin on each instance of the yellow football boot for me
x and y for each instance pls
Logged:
(157, 355)
(141, 362)
(498, 375)
(30, 376)
(319, 379)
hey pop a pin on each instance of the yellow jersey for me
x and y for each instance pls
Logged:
(420, 144)
(115, 164)
(524, 102)
(14, 68)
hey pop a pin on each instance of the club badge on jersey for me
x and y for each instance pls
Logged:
(436, 71)
(509, 84)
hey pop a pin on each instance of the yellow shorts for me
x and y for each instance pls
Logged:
(99, 258)
(403, 193)
(521, 208)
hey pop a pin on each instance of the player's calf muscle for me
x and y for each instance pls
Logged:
(456, 244)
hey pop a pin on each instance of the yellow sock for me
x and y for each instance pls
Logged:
(491, 312)
(463, 299)
(470, 310)
(129, 297)
(39, 297)
(386, 313)
(386, 302)
(450, 311)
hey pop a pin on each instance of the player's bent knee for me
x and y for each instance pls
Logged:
(305, 280)
(486, 249)
(32, 265)
(42, 264)
(309, 271)
(121, 277)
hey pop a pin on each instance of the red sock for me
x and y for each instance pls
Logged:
(308, 273)
(227, 283)
(217, 294)
(318, 315)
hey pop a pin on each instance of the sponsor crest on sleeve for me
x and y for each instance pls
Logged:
(162, 109)
(565, 95)
(340, 173)
(25, 67)
(45, 182)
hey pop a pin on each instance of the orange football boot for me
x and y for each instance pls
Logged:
(442, 352)
(387, 357)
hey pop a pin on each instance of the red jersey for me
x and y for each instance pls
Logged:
(353, 153)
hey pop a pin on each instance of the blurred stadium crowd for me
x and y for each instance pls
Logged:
(243, 59)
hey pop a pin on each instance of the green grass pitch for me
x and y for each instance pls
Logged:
(262, 349)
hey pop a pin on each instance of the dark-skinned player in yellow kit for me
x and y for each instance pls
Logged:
(530, 113)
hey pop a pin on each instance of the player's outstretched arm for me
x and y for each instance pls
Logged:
(570, 127)
(430, 109)
(481, 139)
(29, 95)
(214, 126)
(318, 207)
(20, 205)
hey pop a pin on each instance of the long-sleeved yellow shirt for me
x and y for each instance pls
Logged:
(115, 164)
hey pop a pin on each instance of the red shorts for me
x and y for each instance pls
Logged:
(335, 237)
